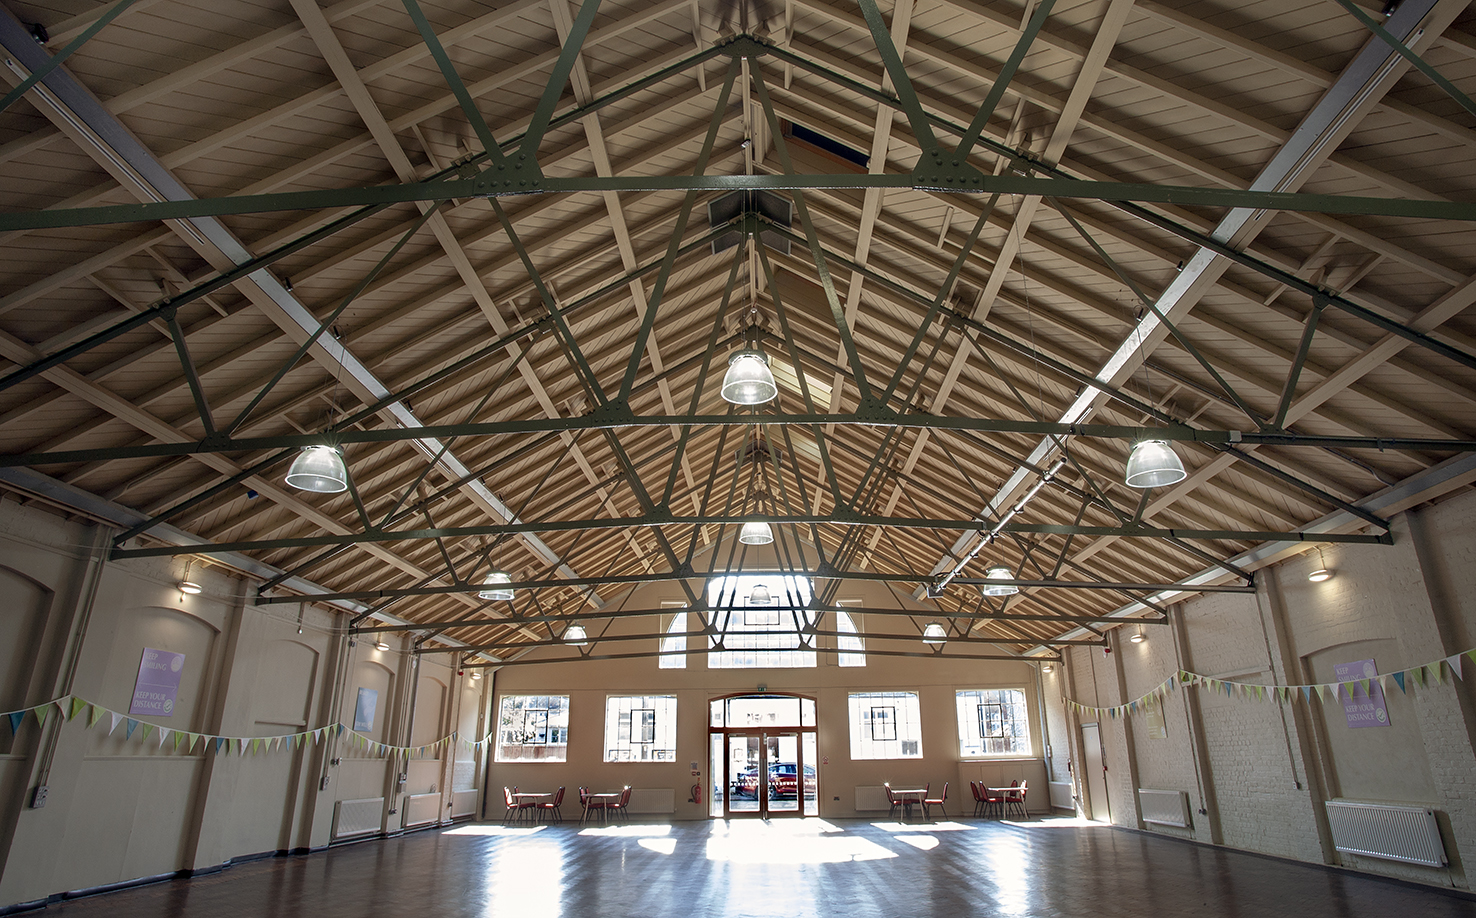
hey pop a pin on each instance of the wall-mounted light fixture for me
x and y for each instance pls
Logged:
(1322, 572)
(1139, 637)
(381, 645)
(188, 586)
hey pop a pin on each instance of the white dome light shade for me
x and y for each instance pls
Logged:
(190, 587)
(1153, 464)
(759, 595)
(748, 380)
(576, 635)
(381, 645)
(756, 533)
(318, 469)
(493, 588)
(1000, 572)
(1317, 576)
(933, 633)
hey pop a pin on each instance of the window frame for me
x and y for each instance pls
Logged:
(621, 727)
(973, 712)
(555, 723)
(904, 723)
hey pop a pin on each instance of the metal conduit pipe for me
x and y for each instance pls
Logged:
(936, 589)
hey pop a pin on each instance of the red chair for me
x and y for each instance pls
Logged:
(935, 801)
(621, 806)
(1015, 799)
(552, 806)
(891, 800)
(515, 807)
(993, 801)
(978, 797)
(591, 802)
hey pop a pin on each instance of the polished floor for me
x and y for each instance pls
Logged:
(796, 868)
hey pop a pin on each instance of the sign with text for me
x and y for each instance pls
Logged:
(364, 707)
(1362, 707)
(157, 687)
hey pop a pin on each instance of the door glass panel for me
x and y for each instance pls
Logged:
(763, 711)
(743, 790)
(715, 778)
(807, 715)
(783, 772)
(811, 784)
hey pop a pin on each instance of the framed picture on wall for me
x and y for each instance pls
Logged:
(643, 726)
(991, 721)
(884, 722)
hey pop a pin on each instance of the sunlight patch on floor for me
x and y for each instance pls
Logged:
(920, 842)
(659, 845)
(795, 850)
(627, 831)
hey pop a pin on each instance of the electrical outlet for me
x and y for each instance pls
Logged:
(38, 796)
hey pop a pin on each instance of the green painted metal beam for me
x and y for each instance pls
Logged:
(616, 417)
(838, 518)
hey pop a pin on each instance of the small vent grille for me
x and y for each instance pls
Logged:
(1164, 807)
(357, 817)
(1396, 833)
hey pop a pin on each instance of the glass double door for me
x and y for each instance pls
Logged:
(769, 773)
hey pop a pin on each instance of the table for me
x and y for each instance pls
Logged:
(530, 801)
(1006, 795)
(600, 802)
(909, 797)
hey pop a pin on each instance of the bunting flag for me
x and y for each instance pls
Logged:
(15, 720)
(1422, 676)
(117, 719)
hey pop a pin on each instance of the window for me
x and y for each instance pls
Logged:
(886, 725)
(764, 637)
(674, 645)
(993, 722)
(640, 728)
(533, 728)
(852, 649)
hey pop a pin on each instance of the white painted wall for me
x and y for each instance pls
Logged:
(1262, 771)
(119, 809)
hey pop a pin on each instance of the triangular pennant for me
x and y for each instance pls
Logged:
(77, 705)
(1399, 681)
(1419, 675)
(1435, 670)
(130, 726)
(1454, 662)
(93, 716)
(163, 735)
(1321, 693)
(1364, 684)
(219, 744)
(1384, 683)
(145, 729)
(117, 719)
(240, 745)
(42, 712)
(177, 737)
(15, 720)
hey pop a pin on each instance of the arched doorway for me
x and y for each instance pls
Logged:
(763, 756)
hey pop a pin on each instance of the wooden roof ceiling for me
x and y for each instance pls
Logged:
(253, 98)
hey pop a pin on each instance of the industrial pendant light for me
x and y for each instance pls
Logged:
(1139, 637)
(494, 586)
(749, 380)
(756, 532)
(576, 636)
(999, 572)
(187, 585)
(759, 595)
(319, 469)
(934, 634)
(1153, 464)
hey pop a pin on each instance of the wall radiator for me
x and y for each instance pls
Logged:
(1164, 807)
(1398, 833)
(871, 797)
(1061, 796)
(357, 817)
(649, 800)
(421, 809)
(463, 803)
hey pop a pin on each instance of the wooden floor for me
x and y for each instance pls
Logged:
(850, 868)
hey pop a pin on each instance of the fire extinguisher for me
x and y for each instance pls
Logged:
(696, 794)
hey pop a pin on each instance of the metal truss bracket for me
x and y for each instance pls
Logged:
(745, 46)
(940, 170)
(614, 413)
(659, 515)
(516, 175)
(936, 589)
(875, 411)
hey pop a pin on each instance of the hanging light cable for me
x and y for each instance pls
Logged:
(1323, 572)
(321, 469)
(1152, 463)
(497, 585)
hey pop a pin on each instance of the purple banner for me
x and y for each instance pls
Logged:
(157, 687)
(1361, 708)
